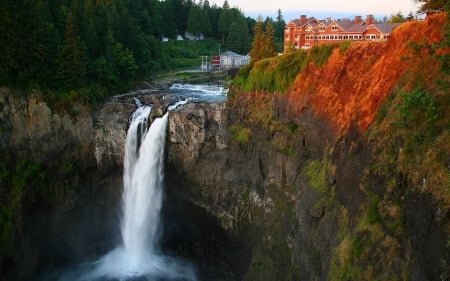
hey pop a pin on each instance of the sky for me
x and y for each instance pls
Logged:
(292, 9)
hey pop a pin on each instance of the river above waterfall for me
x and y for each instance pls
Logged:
(199, 92)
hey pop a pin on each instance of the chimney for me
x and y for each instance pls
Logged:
(302, 19)
(369, 19)
(358, 19)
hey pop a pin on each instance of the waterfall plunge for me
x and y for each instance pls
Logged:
(143, 179)
(142, 199)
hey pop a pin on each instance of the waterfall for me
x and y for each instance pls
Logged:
(143, 179)
(142, 200)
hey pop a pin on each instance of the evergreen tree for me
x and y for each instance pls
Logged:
(214, 13)
(168, 26)
(71, 59)
(198, 21)
(238, 35)
(280, 25)
(263, 45)
(269, 48)
(224, 21)
(257, 43)
(194, 21)
(397, 18)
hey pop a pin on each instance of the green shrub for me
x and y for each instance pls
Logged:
(343, 47)
(316, 175)
(373, 216)
(239, 134)
(292, 126)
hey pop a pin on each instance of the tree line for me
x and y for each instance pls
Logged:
(100, 46)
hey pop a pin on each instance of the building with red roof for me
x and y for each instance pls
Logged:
(305, 32)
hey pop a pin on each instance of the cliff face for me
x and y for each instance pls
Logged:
(60, 181)
(352, 86)
(332, 180)
(344, 177)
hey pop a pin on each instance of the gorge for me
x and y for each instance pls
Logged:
(330, 180)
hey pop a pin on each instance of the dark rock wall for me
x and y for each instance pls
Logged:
(306, 202)
(256, 191)
(60, 182)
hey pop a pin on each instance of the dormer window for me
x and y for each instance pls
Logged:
(334, 28)
(322, 28)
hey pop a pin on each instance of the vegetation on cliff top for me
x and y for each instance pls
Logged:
(277, 74)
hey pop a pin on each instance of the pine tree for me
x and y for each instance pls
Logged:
(224, 21)
(269, 48)
(257, 43)
(71, 60)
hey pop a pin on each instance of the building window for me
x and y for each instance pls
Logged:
(334, 28)
(322, 28)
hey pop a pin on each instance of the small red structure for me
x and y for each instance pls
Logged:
(215, 61)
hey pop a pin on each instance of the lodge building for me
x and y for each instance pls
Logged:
(305, 32)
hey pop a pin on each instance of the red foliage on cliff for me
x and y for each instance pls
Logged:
(351, 86)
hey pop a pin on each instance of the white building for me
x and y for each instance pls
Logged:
(230, 59)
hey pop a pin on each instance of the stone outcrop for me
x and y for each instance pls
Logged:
(60, 181)
(197, 144)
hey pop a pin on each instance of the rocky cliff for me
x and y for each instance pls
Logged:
(60, 181)
(344, 177)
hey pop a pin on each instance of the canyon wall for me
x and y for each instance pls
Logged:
(61, 178)
(332, 180)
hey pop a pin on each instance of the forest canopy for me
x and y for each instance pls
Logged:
(97, 47)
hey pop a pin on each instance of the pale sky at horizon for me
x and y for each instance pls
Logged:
(364, 7)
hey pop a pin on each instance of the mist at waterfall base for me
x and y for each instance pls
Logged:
(140, 256)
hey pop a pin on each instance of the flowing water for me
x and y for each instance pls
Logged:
(200, 92)
(139, 257)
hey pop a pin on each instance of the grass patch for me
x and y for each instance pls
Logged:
(277, 74)
(373, 216)
(239, 134)
(316, 172)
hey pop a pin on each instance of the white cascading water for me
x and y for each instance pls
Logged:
(143, 179)
(142, 200)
